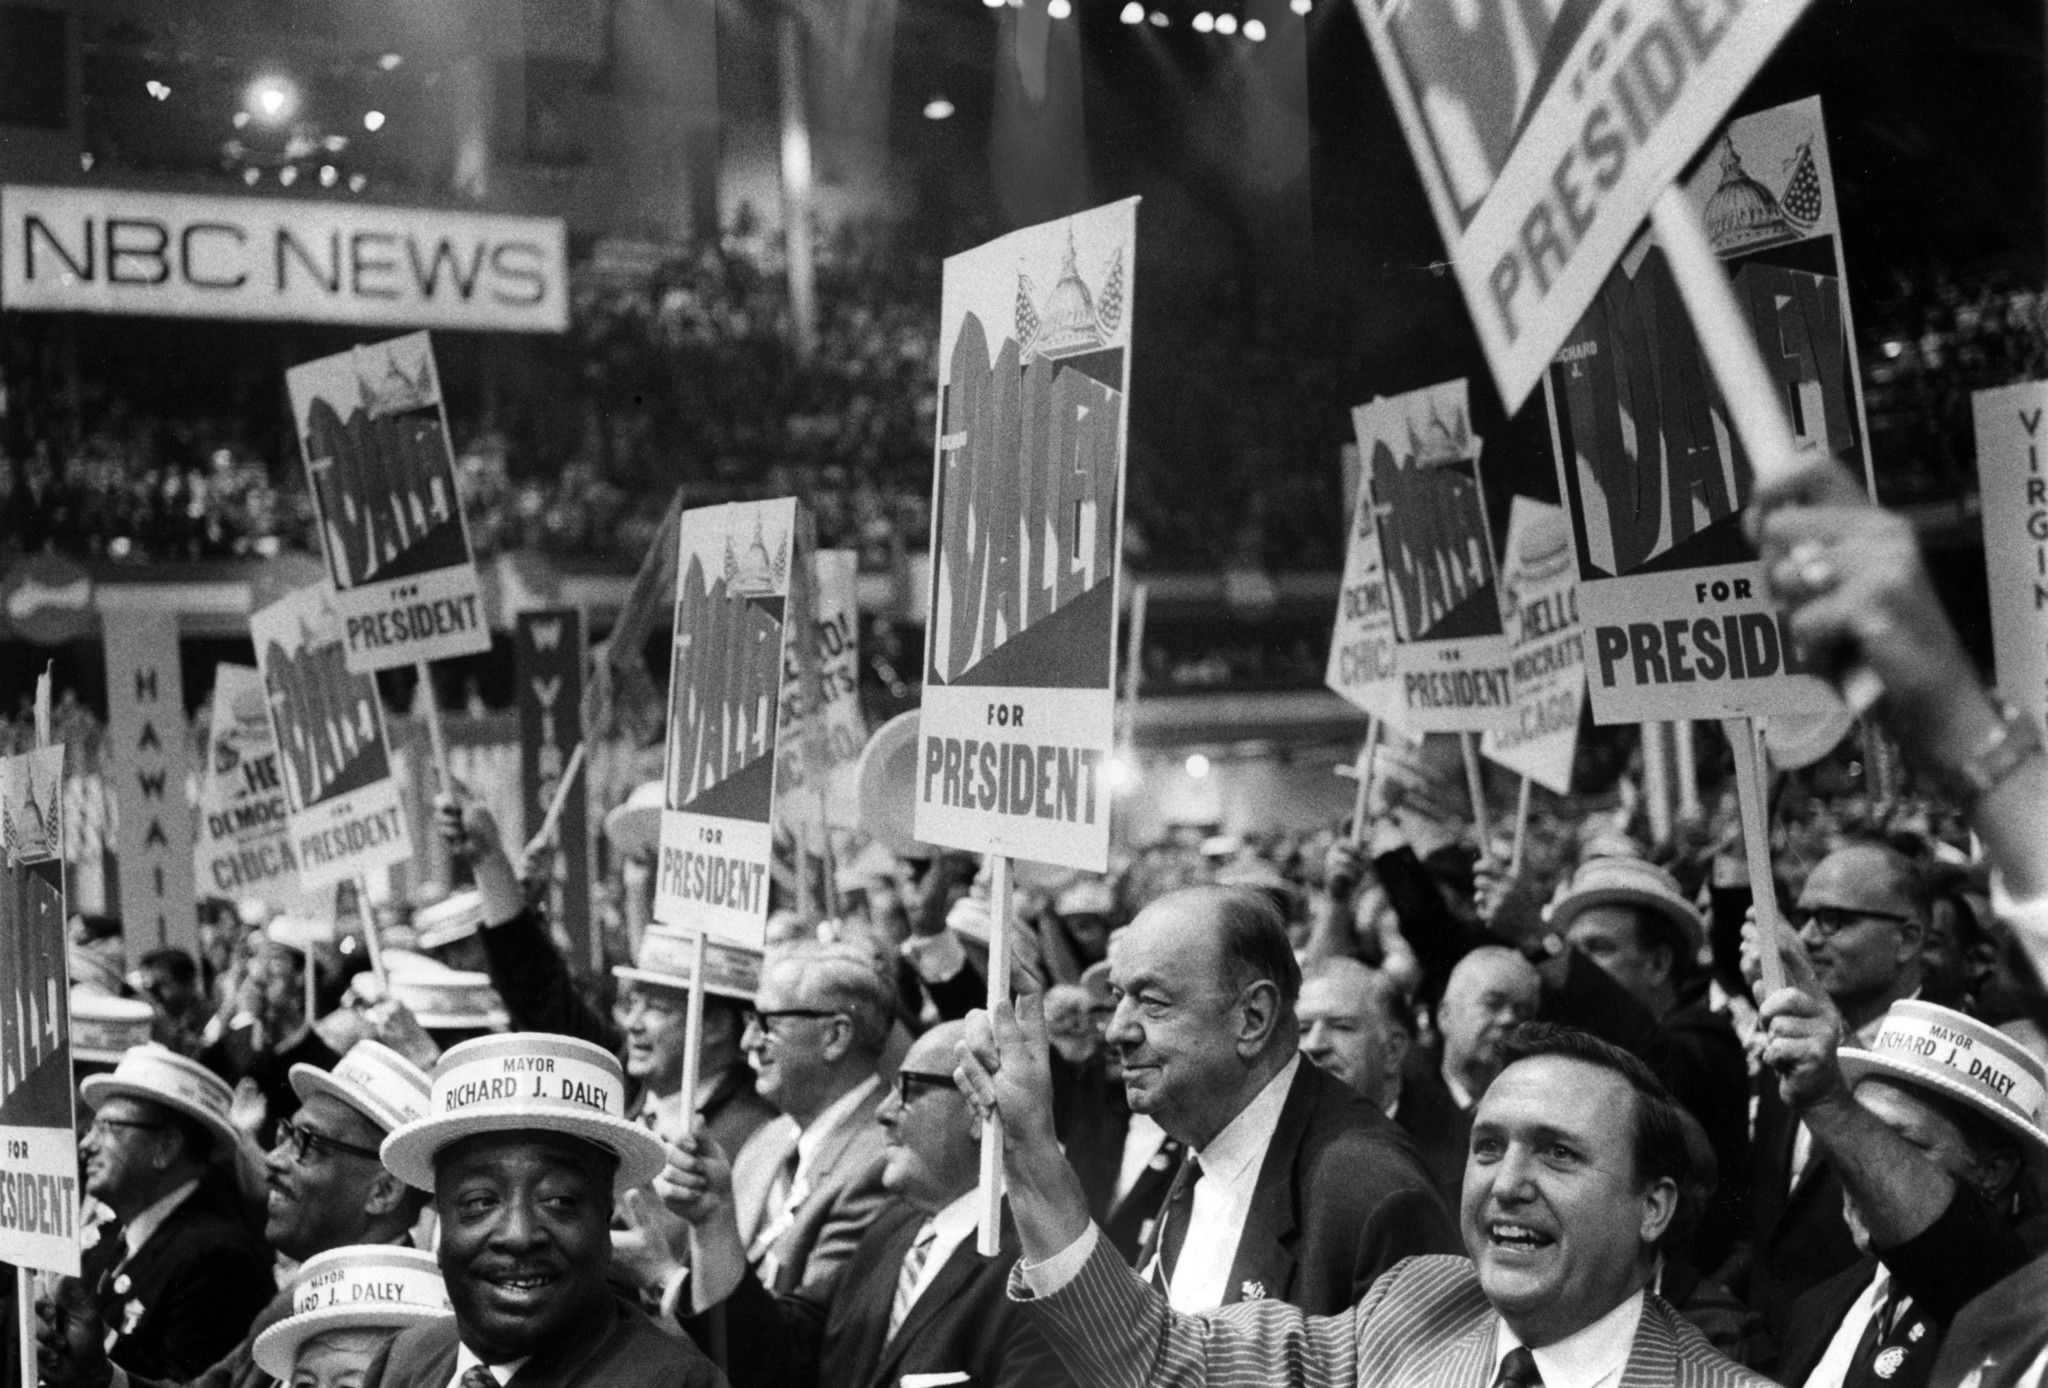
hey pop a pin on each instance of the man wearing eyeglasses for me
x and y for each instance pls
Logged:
(1861, 916)
(915, 1300)
(327, 1188)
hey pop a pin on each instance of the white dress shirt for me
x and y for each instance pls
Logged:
(467, 1359)
(1593, 1357)
(951, 1227)
(1142, 1141)
(1833, 1367)
(1223, 1197)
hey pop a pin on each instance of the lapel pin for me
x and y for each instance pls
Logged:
(1252, 1291)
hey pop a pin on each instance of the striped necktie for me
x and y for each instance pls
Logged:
(906, 1280)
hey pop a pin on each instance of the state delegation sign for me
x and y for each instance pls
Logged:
(2010, 442)
(341, 800)
(115, 250)
(1361, 665)
(1017, 722)
(1546, 655)
(244, 845)
(724, 710)
(1544, 131)
(375, 439)
(1678, 623)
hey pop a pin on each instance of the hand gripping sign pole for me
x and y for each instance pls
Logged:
(1756, 847)
(988, 1238)
(1361, 772)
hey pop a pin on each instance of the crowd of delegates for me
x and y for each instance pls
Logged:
(1352, 1108)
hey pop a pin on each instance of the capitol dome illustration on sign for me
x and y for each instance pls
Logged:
(755, 572)
(1744, 215)
(1071, 320)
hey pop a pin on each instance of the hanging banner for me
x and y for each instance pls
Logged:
(382, 476)
(1543, 132)
(1678, 622)
(819, 745)
(733, 566)
(549, 662)
(39, 1195)
(147, 733)
(1361, 666)
(1018, 720)
(2010, 442)
(1539, 602)
(341, 800)
(1422, 473)
(244, 848)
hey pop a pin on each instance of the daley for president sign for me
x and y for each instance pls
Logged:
(111, 250)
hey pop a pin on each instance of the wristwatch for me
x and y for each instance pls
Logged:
(2015, 741)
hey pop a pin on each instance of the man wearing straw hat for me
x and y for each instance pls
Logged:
(345, 1305)
(327, 1188)
(525, 1145)
(176, 1278)
(1928, 1129)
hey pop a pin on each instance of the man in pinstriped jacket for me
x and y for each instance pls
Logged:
(1571, 1189)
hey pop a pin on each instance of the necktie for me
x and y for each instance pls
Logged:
(478, 1376)
(1518, 1370)
(1863, 1364)
(906, 1280)
(1173, 1226)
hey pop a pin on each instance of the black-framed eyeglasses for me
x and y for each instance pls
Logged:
(304, 1142)
(103, 1126)
(1831, 921)
(758, 1021)
(908, 1082)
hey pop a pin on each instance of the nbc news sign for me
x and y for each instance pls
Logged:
(106, 250)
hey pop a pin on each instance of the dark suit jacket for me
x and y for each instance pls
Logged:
(1798, 1236)
(1998, 1336)
(1128, 1226)
(834, 1335)
(188, 1295)
(1440, 1130)
(237, 1369)
(1425, 1324)
(1961, 1254)
(1341, 1197)
(618, 1348)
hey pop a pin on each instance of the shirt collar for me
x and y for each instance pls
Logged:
(1244, 1138)
(467, 1359)
(1588, 1357)
(957, 1220)
(137, 1231)
(819, 1129)
(1460, 1095)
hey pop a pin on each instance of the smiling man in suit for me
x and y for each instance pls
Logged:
(1578, 1158)
(1293, 1186)
(915, 1299)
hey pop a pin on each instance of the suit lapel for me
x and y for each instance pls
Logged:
(1653, 1355)
(1468, 1362)
(835, 1143)
(951, 1281)
(754, 1167)
(1265, 1247)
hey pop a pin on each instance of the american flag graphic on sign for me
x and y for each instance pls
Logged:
(1802, 200)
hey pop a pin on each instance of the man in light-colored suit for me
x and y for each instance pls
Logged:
(808, 1184)
(1573, 1183)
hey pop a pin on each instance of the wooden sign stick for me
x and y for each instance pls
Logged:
(988, 1240)
(434, 735)
(369, 920)
(1756, 848)
(1521, 829)
(1361, 770)
(24, 1278)
(553, 818)
(1475, 785)
(693, 1034)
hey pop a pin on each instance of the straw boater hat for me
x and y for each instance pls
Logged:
(360, 1287)
(104, 1028)
(372, 1079)
(454, 918)
(526, 1081)
(635, 826)
(1958, 1056)
(441, 998)
(1603, 881)
(665, 959)
(160, 1075)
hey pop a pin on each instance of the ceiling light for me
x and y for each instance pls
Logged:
(1059, 9)
(1133, 13)
(1159, 19)
(1226, 24)
(938, 108)
(157, 89)
(288, 175)
(357, 182)
(273, 99)
(373, 120)
(328, 174)
(1204, 22)
(390, 61)
(241, 119)
(249, 176)
(1255, 31)
(1197, 766)
(1301, 7)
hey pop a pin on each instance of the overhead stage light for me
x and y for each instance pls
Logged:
(273, 100)
(1204, 22)
(1226, 24)
(1301, 7)
(373, 120)
(1159, 19)
(1059, 9)
(1255, 31)
(938, 108)
(1133, 13)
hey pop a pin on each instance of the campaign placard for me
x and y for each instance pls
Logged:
(1361, 666)
(150, 765)
(1544, 132)
(821, 736)
(1422, 473)
(1678, 623)
(341, 800)
(1018, 720)
(39, 1194)
(244, 846)
(382, 476)
(1539, 601)
(2010, 441)
(733, 567)
(548, 659)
